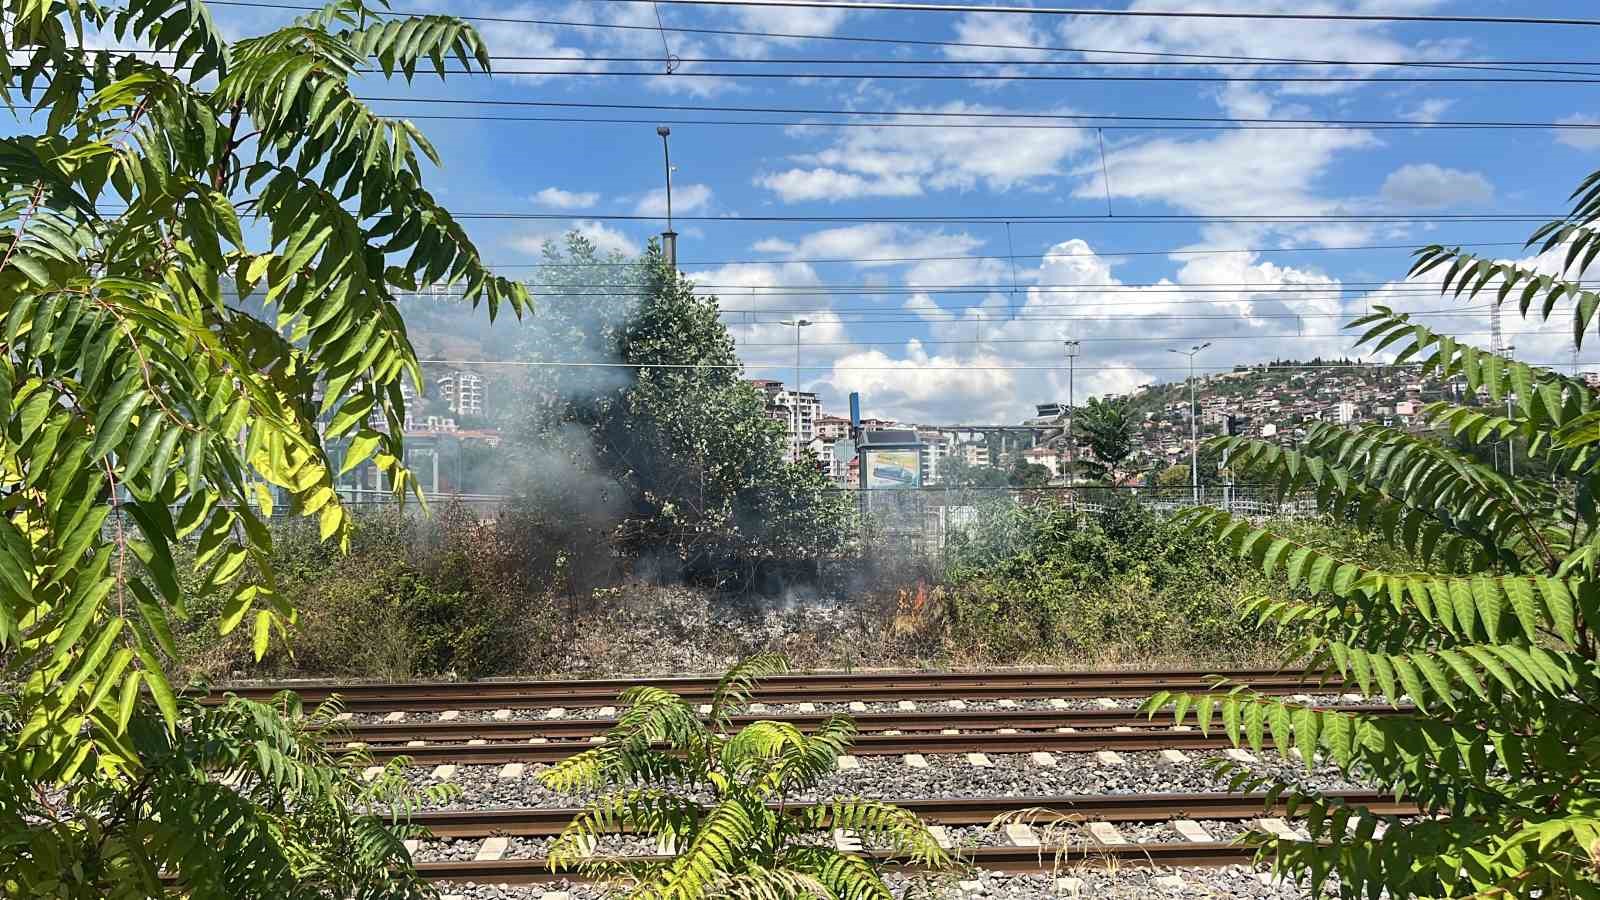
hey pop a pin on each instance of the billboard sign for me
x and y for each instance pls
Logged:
(891, 468)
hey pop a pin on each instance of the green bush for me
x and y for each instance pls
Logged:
(413, 598)
(1043, 581)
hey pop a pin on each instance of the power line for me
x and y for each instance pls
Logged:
(1103, 340)
(941, 76)
(912, 367)
(780, 35)
(1102, 254)
(1062, 219)
(1531, 66)
(1133, 13)
(1011, 126)
(974, 114)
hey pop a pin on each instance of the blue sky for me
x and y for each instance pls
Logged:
(907, 334)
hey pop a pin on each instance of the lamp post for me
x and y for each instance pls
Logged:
(1194, 430)
(1511, 441)
(1072, 444)
(794, 395)
(669, 238)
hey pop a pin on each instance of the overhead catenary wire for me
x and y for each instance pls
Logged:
(1101, 254)
(1133, 12)
(1282, 336)
(1008, 77)
(897, 41)
(912, 366)
(943, 116)
(1030, 219)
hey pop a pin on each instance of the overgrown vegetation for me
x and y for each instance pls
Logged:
(648, 444)
(746, 841)
(1485, 632)
(1042, 582)
(141, 406)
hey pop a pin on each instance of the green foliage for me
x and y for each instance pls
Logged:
(665, 429)
(140, 406)
(1109, 427)
(1044, 580)
(243, 800)
(743, 842)
(1483, 633)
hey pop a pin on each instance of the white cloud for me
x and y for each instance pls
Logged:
(1430, 110)
(1236, 173)
(931, 388)
(556, 198)
(1286, 39)
(800, 185)
(686, 198)
(1430, 186)
(908, 161)
(1581, 138)
(605, 238)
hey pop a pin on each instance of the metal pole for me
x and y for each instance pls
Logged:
(1072, 443)
(669, 238)
(1194, 439)
(1194, 429)
(1511, 441)
(795, 395)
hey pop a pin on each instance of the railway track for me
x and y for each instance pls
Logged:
(547, 822)
(993, 859)
(864, 745)
(497, 730)
(815, 688)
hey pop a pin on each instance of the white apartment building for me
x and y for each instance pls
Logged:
(797, 410)
(935, 447)
(462, 391)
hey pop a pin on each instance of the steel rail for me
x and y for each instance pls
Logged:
(547, 822)
(866, 723)
(832, 687)
(995, 859)
(864, 745)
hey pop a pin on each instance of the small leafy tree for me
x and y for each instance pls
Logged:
(1108, 427)
(744, 842)
(141, 404)
(666, 429)
(1489, 636)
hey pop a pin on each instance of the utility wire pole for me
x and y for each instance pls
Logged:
(1072, 442)
(1194, 429)
(669, 238)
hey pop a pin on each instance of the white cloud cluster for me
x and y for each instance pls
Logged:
(556, 198)
(909, 161)
(605, 238)
(1431, 186)
(1587, 138)
(686, 199)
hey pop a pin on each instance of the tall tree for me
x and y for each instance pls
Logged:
(1486, 642)
(658, 413)
(133, 385)
(1108, 426)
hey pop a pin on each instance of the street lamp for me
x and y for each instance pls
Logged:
(669, 238)
(794, 395)
(1511, 440)
(1194, 430)
(1072, 445)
